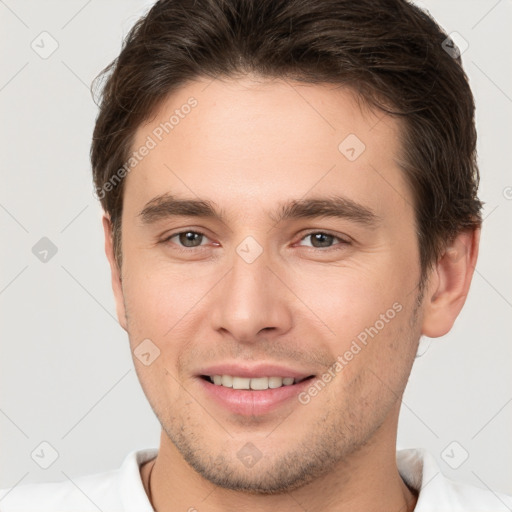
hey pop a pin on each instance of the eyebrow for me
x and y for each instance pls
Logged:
(167, 205)
(332, 206)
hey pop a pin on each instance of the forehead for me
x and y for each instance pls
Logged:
(264, 140)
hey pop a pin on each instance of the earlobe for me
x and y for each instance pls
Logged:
(449, 284)
(115, 271)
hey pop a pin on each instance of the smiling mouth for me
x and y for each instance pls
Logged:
(252, 384)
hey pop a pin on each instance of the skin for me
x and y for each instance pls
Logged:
(248, 146)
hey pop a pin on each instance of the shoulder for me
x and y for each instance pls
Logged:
(438, 493)
(111, 491)
(85, 493)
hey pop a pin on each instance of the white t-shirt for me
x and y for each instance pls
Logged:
(122, 490)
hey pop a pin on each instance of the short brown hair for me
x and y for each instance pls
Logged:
(388, 51)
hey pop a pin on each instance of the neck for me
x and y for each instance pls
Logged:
(355, 486)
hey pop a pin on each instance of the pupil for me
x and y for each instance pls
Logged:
(190, 238)
(323, 239)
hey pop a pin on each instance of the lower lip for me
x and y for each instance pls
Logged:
(252, 403)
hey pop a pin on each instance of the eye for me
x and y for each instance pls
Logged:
(321, 239)
(188, 239)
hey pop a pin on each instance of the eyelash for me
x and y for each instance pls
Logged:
(342, 241)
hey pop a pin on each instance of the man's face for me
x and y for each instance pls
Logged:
(264, 290)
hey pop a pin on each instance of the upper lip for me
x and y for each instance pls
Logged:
(254, 371)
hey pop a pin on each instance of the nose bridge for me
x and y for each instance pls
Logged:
(250, 299)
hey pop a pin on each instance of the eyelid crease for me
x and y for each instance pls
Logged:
(327, 232)
(342, 239)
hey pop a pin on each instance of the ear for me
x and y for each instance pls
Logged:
(449, 284)
(115, 271)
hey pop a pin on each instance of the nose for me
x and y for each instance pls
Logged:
(252, 302)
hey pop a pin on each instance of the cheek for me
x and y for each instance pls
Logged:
(349, 299)
(160, 308)
(158, 295)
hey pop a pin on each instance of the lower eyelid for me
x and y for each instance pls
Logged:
(168, 238)
(335, 237)
(340, 241)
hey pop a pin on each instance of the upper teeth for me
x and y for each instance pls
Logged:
(259, 383)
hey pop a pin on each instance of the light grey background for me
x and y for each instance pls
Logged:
(67, 377)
